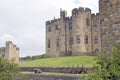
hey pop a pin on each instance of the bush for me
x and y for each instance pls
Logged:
(9, 71)
(108, 66)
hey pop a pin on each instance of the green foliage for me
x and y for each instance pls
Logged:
(108, 66)
(33, 57)
(61, 62)
(7, 69)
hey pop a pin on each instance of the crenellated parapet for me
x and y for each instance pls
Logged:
(52, 21)
(10, 51)
(95, 15)
(80, 10)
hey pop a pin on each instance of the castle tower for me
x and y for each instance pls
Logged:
(63, 13)
(81, 20)
(110, 22)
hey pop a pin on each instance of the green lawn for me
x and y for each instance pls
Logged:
(87, 61)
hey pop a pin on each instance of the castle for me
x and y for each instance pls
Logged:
(84, 33)
(10, 52)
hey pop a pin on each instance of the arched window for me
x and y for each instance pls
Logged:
(96, 39)
(48, 43)
(86, 39)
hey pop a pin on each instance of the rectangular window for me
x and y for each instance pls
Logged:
(87, 22)
(70, 25)
(78, 39)
(95, 39)
(57, 44)
(56, 27)
(86, 39)
(48, 43)
(70, 40)
(49, 28)
(95, 22)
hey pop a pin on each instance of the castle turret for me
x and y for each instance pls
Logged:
(63, 13)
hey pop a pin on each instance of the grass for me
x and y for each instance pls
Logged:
(87, 61)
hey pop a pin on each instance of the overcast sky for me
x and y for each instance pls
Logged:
(23, 21)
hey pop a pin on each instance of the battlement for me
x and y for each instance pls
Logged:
(10, 51)
(8, 43)
(52, 21)
(14, 45)
(80, 10)
(94, 15)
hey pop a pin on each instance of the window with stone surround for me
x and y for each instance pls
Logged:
(56, 27)
(86, 39)
(70, 40)
(57, 43)
(96, 50)
(49, 28)
(96, 39)
(78, 39)
(49, 43)
(87, 22)
(95, 22)
(70, 25)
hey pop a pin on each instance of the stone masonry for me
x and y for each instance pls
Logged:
(110, 22)
(10, 52)
(84, 33)
(75, 35)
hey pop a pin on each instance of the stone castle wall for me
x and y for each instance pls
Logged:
(10, 52)
(110, 22)
(73, 35)
(86, 33)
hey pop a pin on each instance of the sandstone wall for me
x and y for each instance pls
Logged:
(75, 34)
(10, 52)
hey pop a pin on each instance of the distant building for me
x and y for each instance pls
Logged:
(10, 52)
(84, 33)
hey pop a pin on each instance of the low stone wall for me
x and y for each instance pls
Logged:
(59, 69)
(50, 77)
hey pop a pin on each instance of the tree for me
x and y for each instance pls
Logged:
(108, 66)
(10, 71)
(7, 69)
